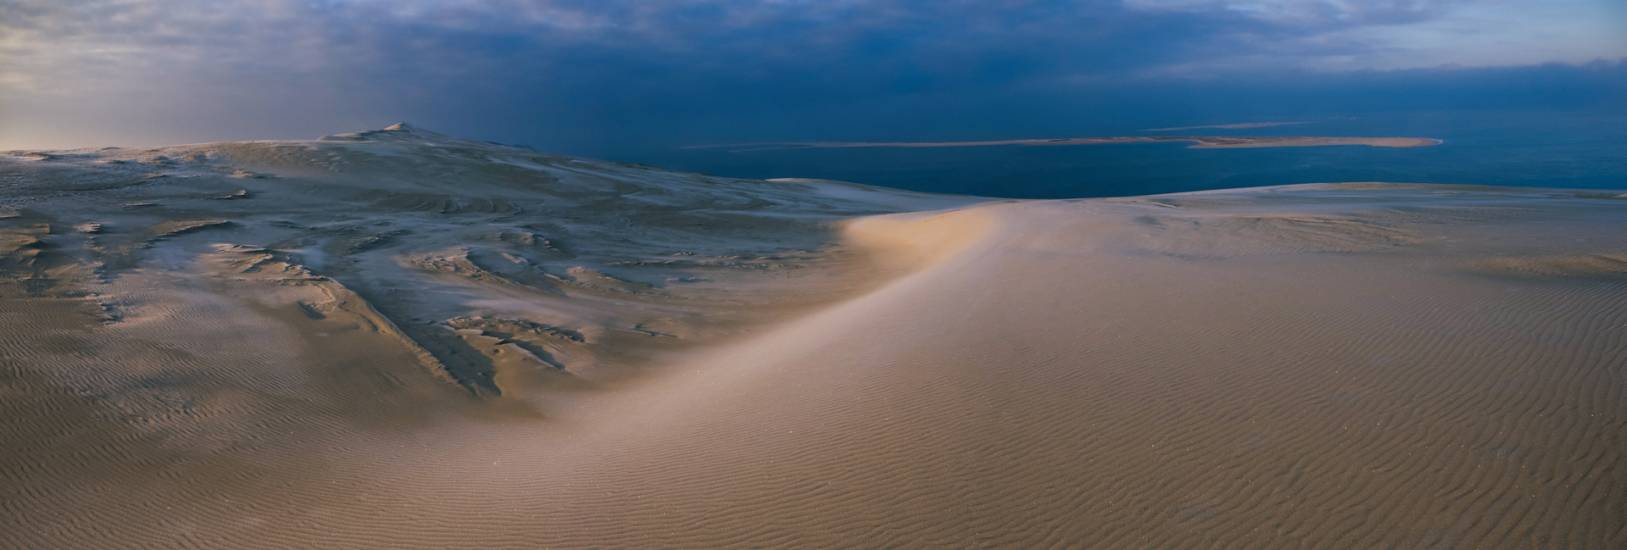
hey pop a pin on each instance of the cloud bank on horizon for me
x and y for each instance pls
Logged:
(595, 76)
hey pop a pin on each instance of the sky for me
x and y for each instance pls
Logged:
(613, 77)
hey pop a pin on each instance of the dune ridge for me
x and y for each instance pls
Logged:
(699, 362)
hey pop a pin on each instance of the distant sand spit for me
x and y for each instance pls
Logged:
(1233, 126)
(1365, 365)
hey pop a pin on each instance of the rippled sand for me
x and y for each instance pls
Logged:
(398, 339)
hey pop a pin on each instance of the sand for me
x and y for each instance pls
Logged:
(1233, 126)
(398, 339)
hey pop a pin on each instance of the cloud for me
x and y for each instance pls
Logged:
(583, 73)
(1320, 14)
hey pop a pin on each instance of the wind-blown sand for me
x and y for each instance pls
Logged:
(398, 339)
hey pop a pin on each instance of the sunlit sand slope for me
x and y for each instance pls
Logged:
(685, 361)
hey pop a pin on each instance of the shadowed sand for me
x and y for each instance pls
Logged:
(397, 339)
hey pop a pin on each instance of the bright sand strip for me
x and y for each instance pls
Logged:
(1233, 126)
(1363, 365)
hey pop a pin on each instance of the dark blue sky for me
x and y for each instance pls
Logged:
(613, 77)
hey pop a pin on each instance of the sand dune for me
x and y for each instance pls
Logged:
(399, 339)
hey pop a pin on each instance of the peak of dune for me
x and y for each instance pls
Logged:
(397, 131)
(408, 129)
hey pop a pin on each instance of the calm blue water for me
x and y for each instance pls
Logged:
(1581, 150)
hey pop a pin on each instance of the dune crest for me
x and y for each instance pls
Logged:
(917, 239)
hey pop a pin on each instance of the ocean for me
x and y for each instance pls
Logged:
(1547, 149)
